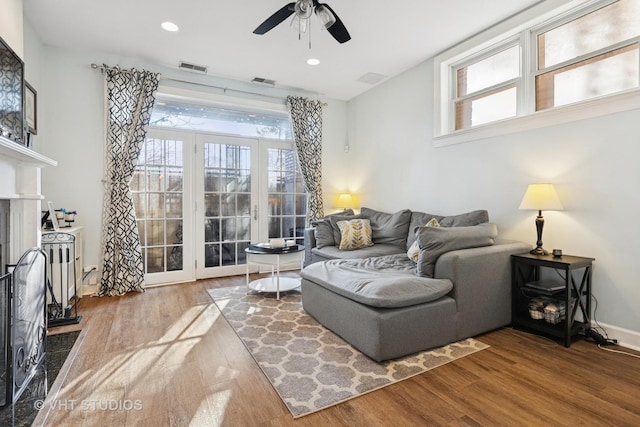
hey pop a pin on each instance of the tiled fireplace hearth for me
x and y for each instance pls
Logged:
(20, 186)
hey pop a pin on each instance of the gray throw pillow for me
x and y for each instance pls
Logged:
(323, 230)
(323, 233)
(467, 219)
(388, 228)
(435, 241)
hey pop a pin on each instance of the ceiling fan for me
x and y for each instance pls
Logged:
(303, 9)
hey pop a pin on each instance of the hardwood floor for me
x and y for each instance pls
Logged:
(168, 358)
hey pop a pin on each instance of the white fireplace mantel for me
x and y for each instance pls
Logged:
(20, 182)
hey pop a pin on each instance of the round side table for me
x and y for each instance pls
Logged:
(275, 260)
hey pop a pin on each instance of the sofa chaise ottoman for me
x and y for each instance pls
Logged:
(389, 306)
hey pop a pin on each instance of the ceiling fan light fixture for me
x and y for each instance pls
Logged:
(304, 9)
(300, 24)
(325, 16)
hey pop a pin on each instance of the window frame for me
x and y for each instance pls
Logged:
(517, 82)
(523, 27)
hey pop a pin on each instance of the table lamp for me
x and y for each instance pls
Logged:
(540, 197)
(345, 201)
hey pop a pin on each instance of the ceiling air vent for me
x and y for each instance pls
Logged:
(372, 78)
(192, 67)
(264, 82)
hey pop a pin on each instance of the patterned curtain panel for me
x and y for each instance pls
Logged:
(129, 98)
(306, 118)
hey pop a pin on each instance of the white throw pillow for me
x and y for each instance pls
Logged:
(414, 251)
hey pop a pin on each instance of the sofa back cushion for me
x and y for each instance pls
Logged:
(388, 228)
(419, 219)
(323, 230)
(435, 241)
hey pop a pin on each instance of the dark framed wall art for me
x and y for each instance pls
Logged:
(11, 95)
(30, 108)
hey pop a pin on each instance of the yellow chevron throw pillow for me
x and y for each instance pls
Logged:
(355, 234)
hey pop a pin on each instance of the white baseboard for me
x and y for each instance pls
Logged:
(90, 289)
(625, 337)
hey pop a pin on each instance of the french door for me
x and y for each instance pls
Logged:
(201, 199)
(162, 194)
(226, 176)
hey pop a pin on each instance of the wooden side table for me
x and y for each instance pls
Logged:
(275, 260)
(568, 287)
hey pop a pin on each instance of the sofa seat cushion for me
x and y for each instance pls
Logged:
(384, 282)
(333, 252)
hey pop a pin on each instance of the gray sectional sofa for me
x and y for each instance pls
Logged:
(388, 305)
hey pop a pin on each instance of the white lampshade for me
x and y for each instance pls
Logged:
(541, 197)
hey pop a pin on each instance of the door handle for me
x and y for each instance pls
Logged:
(255, 212)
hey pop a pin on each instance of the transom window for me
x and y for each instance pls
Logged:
(554, 59)
(486, 88)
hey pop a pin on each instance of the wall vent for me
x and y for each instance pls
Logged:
(263, 81)
(192, 67)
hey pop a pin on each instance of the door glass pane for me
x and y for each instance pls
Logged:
(227, 200)
(157, 192)
(287, 199)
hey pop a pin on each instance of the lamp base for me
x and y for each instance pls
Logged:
(539, 251)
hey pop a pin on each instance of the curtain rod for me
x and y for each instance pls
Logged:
(224, 89)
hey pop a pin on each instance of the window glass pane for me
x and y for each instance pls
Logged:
(173, 205)
(228, 204)
(212, 255)
(155, 233)
(602, 75)
(155, 260)
(174, 178)
(498, 68)
(607, 26)
(228, 254)
(174, 232)
(155, 207)
(220, 119)
(497, 105)
(154, 152)
(174, 258)
(155, 178)
(212, 230)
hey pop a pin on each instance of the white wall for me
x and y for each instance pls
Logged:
(594, 165)
(73, 119)
(11, 25)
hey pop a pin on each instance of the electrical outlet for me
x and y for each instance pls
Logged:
(93, 280)
(88, 268)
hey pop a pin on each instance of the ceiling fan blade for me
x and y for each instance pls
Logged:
(275, 19)
(337, 30)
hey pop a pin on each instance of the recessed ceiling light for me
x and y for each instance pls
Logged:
(313, 61)
(169, 26)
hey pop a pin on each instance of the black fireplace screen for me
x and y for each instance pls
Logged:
(25, 323)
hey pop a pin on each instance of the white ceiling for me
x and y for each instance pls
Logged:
(388, 37)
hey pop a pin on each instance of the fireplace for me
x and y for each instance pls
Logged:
(20, 204)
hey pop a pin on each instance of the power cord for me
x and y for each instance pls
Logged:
(87, 273)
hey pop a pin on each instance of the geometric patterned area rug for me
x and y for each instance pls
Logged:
(309, 366)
